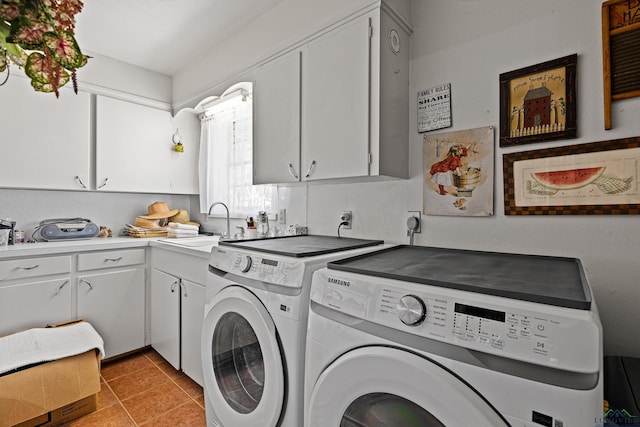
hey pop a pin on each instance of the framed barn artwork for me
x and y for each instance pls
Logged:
(538, 103)
(597, 178)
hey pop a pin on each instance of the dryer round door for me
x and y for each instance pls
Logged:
(242, 364)
(384, 386)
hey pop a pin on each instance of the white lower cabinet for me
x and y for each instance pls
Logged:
(192, 315)
(34, 304)
(177, 309)
(105, 288)
(165, 316)
(113, 302)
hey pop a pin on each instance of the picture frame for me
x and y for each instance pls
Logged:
(434, 108)
(538, 103)
(598, 178)
(458, 172)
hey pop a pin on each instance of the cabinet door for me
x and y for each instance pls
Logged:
(192, 315)
(34, 304)
(114, 304)
(45, 140)
(133, 147)
(336, 103)
(165, 316)
(276, 124)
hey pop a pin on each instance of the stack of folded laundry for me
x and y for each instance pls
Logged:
(177, 229)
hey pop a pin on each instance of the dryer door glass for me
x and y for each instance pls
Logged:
(238, 363)
(384, 409)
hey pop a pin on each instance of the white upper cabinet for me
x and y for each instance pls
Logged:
(133, 147)
(335, 106)
(276, 125)
(45, 140)
(345, 100)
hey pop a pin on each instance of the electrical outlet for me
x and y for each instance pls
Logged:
(282, 216)
(418, 215)
(346, 216)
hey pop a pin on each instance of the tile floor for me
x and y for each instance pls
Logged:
(143, 389)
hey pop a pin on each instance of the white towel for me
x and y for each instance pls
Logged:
(46, 344)
(180, 226)
(181, 233)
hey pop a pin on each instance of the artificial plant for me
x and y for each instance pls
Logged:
(38, 35)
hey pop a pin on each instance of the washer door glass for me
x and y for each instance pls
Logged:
(242, 363)
(238, 363)
(380, 386)
(384, 409)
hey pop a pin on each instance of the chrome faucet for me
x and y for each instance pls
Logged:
(214, 204)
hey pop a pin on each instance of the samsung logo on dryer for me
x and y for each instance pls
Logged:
(339, 282)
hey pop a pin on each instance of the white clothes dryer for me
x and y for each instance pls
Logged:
(253, 335)
(421, 337)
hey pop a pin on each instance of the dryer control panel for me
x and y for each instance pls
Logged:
(547, 335)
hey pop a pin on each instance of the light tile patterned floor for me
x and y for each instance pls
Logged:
(142, 389)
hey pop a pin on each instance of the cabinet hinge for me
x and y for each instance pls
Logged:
(370, 31)
(370, 158)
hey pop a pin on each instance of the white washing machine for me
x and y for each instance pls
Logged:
(421, 337)
(253, 335)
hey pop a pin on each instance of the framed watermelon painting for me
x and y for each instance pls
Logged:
(599, 178)
(538, 103)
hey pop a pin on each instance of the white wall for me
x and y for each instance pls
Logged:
(103, 72)
(289, 22)
(113, 210)
(469, 44)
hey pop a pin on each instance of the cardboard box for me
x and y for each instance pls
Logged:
(60, 416)
(51, 393)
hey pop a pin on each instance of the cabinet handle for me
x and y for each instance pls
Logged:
(33, 267)
(104, 183)
(313, 163)
(292, 172)
(173, 287)
(80, 181)
(184, 289)
(88, 283)
(60, 288)
(113, 259)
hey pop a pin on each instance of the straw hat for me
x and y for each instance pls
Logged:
(151, 224)
(158, 210)
(182, 217)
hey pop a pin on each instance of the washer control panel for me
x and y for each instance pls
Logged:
(272, 269)
(538, 333)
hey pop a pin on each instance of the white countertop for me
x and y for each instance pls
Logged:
(95, 244)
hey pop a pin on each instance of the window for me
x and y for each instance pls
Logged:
(226, 156)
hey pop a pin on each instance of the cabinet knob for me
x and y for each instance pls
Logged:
(292, 171)
(85, 281)
(60, 288)
(311, 166)
(33, 267)
(80, 181)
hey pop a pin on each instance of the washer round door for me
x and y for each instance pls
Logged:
(384, 386)
(242, 364)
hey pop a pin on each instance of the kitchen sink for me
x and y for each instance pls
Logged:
(193, 242)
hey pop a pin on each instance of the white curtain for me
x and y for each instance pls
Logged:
(226, 166)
